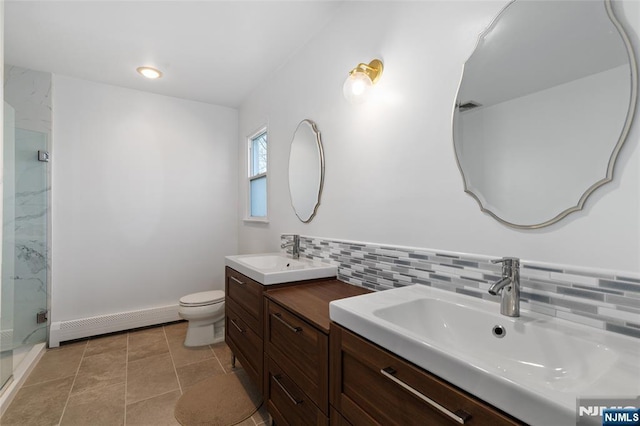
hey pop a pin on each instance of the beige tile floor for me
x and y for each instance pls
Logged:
(132, 378)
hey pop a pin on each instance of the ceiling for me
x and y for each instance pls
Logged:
(209, 51)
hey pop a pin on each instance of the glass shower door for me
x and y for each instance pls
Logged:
(8, 243)
(24, 245)
(31, 207)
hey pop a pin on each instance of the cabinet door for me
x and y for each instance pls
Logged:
(245, 344)
(245, 297)
(301, 349)
(369, 385)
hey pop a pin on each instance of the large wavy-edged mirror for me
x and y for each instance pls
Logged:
(306, 170)
(544, 105)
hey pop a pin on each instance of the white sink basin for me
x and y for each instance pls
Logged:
(277, 268)
(272, 263)
(534, 372)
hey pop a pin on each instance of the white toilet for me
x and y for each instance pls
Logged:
(205, 313)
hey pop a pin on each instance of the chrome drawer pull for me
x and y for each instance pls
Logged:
(237, 326)
(459, 416)
(286, 324)
(237, 281)
(276, 379)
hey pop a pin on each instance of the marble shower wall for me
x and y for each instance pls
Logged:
(29, 93)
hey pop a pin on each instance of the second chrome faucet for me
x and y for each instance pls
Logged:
(508, 286)
(294, 244)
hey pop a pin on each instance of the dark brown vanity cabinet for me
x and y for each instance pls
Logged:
(371, 386)
(314, 372)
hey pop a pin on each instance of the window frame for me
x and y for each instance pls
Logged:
(250, 178)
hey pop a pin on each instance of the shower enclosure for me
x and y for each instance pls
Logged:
(23, 289)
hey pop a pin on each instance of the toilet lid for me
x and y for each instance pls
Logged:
(203, 298)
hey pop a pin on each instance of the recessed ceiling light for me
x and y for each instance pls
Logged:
(149, 72)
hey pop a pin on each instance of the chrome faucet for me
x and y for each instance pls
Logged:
(509, 286)
(294, 244)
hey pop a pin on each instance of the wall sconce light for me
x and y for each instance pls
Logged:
(358, 84)
(149, 72)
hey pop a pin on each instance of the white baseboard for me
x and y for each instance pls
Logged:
(86, 327)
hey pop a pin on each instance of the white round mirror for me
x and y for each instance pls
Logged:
(306, 170)
(545, 103)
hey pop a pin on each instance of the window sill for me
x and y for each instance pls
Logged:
(256, 220)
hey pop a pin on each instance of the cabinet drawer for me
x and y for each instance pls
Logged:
(301, 349)
(245, 344)
(245, 297)
(373, 386)
(288, 404)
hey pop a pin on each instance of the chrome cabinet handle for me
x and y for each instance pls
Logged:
(237, 281)
(286, 324)
(295, 401)
(459, 416)
(237, 326)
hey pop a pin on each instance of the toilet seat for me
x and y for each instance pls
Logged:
(204, 298)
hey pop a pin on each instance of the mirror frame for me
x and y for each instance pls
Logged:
(614, 155)
(314, 129)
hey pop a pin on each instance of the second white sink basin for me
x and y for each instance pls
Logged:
(528, 350)
(535, 370)
(277, 268)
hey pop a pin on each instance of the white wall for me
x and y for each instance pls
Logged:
(144, 199)
(391, 174)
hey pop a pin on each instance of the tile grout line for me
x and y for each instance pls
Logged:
(126, 379)
(152, 397)
(74, 382)
(254, 420)
(218, 359)
(44, 382)
(175, 370)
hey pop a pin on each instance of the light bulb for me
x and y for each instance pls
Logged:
(149, 72)
(357, 87)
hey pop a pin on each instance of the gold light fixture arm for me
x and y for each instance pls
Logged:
(373, 70)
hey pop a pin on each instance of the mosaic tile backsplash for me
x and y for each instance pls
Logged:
(598, 299)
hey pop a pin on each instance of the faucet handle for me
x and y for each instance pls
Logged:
(508, 264)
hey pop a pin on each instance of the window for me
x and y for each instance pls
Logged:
(258, 175)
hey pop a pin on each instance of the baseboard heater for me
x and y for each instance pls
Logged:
(62, 331)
